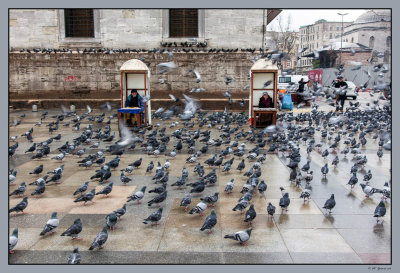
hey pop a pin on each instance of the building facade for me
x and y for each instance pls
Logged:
(137, 28)
(314, 36)
(372, 29)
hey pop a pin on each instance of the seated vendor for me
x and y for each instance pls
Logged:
(265, 101)
(134, 100)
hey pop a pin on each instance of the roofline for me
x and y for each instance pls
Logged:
(325, 22)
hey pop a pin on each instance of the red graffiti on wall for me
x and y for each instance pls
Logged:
(70, 78)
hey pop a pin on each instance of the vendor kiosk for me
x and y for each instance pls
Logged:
(264, 77)
(135, 75)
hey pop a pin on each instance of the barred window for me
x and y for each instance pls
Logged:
(79, 23)
(183, 23)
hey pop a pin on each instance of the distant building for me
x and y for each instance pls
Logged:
(314, 36)
(373, 30)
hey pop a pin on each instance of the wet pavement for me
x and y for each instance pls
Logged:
(304, 234)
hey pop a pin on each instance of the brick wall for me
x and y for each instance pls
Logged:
(74, 76)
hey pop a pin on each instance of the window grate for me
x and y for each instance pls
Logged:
(183, 23)
(79, 23)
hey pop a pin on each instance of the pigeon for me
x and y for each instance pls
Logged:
(20, 207)
(124, 179)
(368, 190)
(74, 230)
(37, 170)
(380, 211)
(353, 180)
(199, 208)
(137, 195)
(111, 220)
(100, 239)
(185, 202)
(367, 177)
(306, 193)
(137, 163)
(242, 205)
(180, 183)
(121, 211)
(229, 186)
(150, 167)
(386, 192)
(284, 201)
(154, 217)
(12, 177)
(241, 236)
(106, 190)
(241, 166)
(159, 190)
(250, 215)
(270, 210)
(40, 189)
(20, 190)
(158, 199)
(306, 166)
(198, 188)
(211, 200)
(51, 224)
(86, 197)
(12, 241)
(210, 222)
(37, 182)
(330, 203)
(262, 187)
(82, 188)
(74, 257)
(325, 170)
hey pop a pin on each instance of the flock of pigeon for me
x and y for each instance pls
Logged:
(294, 136)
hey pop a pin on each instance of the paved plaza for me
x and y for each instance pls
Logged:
(304, 234)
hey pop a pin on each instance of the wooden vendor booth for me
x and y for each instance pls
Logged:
(264, 77)
(135, 75)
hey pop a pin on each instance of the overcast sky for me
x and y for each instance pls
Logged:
(309, 16)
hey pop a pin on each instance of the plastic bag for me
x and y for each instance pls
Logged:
(287, 102)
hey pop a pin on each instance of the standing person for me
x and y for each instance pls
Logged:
(341, 97)
(301, 85)
(134, 100)
(265, 101)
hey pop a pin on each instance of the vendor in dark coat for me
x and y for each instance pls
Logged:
(134, 100)
(340, 98)
(265, 101)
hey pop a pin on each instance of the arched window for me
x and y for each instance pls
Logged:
(371, 42)
(389, 41)
(386, 56)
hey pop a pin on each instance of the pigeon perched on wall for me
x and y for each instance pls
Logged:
(100, 239)
(20, 207)
(13, 241)
(330, 203)
(74, 257)
(380, 211)
(210, 222)
(74, 230)
(154, 218)
(51, 224)
(241, 236)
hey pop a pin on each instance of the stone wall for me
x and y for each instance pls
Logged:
(135, 28)
(97, 76)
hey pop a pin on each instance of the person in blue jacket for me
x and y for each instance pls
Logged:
(135, 100)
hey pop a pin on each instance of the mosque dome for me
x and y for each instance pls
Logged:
(373, 16)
